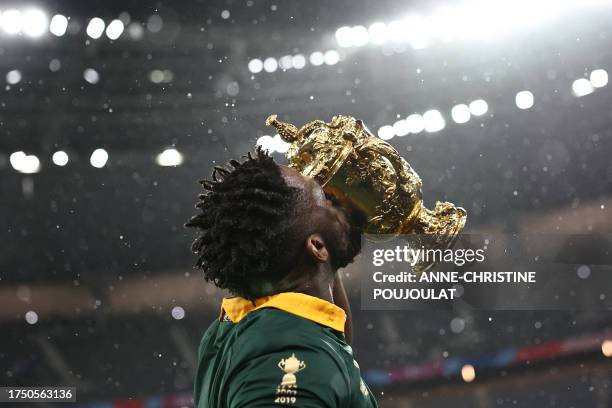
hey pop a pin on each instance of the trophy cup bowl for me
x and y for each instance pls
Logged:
(369, 175)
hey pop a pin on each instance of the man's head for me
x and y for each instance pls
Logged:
(259, 222)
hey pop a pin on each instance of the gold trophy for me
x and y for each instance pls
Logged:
(367, 172)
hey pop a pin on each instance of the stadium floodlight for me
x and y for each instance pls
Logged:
(114, 29)
(360, 36)
(401, 127)
(434, 122)
(599, 78)
(91, 76)
(266, 142)
(317, 58)
(344, 36)
(270, 64)
(298, 61)
(524, 100)
(279, 145)
(95, 28)
(285, 62)
(415, 123)
(13, 77)
(255, 65)
(98, 158)
(169, 157)
(60, 158)
(582, 87)
(460, 113)
(479, 107)
(331, 57)
(386, 132)
(24, 163)
(479, 20)
(11, 21)
(34, 23)
(378, 33)
(58, 25)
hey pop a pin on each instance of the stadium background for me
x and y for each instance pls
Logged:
(110, 116)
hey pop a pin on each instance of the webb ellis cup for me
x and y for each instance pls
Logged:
(367, 173)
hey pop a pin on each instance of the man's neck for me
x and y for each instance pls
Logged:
(317, 283)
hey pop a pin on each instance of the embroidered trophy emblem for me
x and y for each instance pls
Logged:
(286, 391)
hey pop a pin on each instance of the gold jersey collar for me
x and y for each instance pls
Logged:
(309, 307)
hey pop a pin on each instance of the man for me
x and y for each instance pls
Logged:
(273, 239)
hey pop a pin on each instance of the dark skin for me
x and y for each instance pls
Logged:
(315, 276)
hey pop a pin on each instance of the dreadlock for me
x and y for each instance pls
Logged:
(245, 221)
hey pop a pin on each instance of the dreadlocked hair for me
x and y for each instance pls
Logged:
(245, 226)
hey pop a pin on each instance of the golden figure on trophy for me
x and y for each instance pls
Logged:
(367, 172)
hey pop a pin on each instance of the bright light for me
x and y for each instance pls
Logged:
(524, 100)
(156, 76)
(352, 36)
(267, 143)
(468, 373)
(95, 28)
(279, 145)
(415, 123)
(155, 23)
(401, 127)
(98, 158)
(582, 87)
(34, 23)
(360, 36)
(58, 25)
(317, 58)
(284, 62)
(114, 29)
(178, 312)
(273, 144)
(386, 132)
(135, 31)
(31, 317)
(415, 31)
(298, 61)
(13, 77)
(60, 158)
(378, 33)
(11, 21)
(475, 20)
(55, 65)
(332, 57)
(169, 157)
(606, 348)
(255, 65)
(344, 36)
(16, 159)
(24, 163)
(270, 64)
(460, 113)
(599, 78)
(396, 31)
(434, 121)
(479, 107)
(91, 76)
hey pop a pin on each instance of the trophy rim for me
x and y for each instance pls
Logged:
(338, 162)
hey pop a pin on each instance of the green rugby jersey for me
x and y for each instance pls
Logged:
(286, 350)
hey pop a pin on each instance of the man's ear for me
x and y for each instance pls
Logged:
(315, 247)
